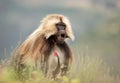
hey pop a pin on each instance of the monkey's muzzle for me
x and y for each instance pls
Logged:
(62, 33)
(62, 36)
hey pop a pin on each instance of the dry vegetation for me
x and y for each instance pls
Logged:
(86, 69)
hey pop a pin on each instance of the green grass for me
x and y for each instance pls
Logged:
(85, 69)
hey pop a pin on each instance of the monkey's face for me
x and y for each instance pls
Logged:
(61, 34)
(58, 27)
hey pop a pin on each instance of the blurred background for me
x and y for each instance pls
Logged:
(96, 25)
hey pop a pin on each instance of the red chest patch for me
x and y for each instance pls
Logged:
(55, 53)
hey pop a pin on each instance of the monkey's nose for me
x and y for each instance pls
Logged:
(63, 35)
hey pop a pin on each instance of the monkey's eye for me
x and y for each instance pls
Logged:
(60, 26)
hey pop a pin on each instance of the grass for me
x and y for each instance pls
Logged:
(85, 69)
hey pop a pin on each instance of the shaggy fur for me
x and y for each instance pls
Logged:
(38, 49)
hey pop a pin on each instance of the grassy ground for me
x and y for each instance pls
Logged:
(85, 69)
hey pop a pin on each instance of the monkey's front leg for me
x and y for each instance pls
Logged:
(65, 68)
(57, 69)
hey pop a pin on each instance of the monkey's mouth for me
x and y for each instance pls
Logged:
(61, 37)
(58, 37)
